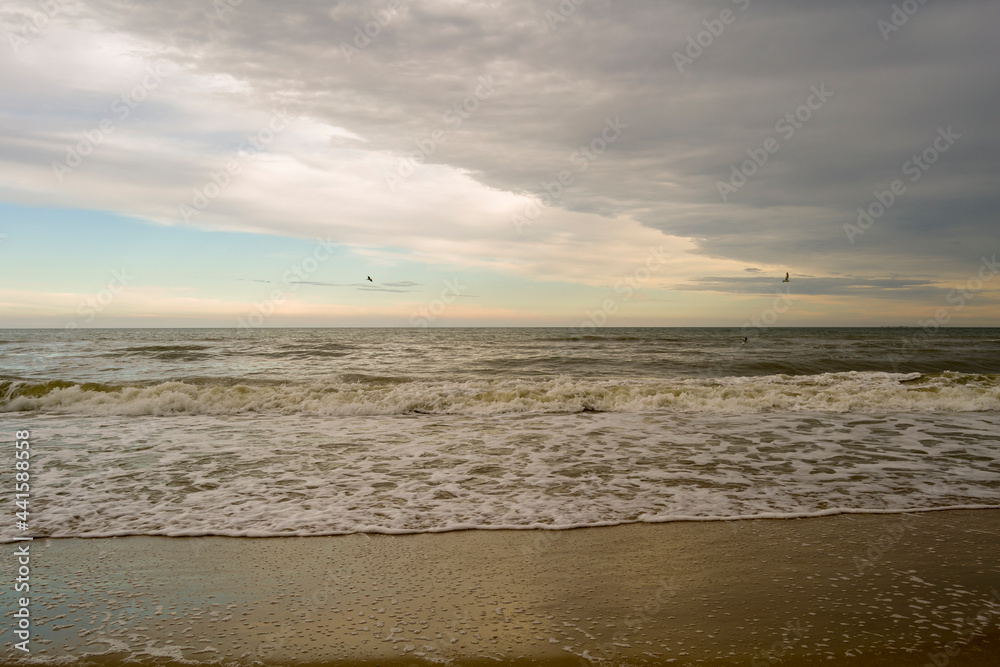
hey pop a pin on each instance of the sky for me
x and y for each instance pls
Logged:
(583, 163)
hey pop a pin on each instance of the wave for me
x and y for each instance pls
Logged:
(166, 348)
(164, 352)
(851, 392)
(598, 338)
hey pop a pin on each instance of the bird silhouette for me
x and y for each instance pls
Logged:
(786, 278)
(371, 281)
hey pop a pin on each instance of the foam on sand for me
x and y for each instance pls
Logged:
(294, 475)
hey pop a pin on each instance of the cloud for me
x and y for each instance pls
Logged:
(397, 287)
(877, 288)
(407, 101)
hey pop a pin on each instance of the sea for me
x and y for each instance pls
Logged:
(281, 432)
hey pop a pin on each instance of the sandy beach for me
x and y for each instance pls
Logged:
(848, 589)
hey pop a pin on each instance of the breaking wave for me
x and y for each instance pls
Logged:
(850, 392)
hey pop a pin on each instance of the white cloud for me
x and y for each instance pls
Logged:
(303, 183)
(353, 122)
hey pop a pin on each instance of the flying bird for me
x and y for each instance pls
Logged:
(784, 281)
(371, 281)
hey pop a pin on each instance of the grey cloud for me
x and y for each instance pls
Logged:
(880, 288)
(556, 88)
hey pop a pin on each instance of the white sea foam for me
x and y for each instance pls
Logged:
(296, 475)
(829, 392)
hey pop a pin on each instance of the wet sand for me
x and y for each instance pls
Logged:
(853, 589)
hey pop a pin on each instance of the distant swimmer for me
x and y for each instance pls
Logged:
(744, 341)
(786, 278)
(371, 281)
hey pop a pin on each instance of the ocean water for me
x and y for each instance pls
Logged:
(333, 431)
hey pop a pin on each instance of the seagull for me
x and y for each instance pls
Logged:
(371, 281)
(784, 281)
(744, 341)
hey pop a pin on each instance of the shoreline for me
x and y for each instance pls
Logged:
(848, 588)
(769, 516)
